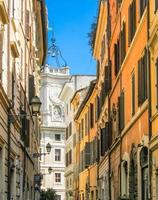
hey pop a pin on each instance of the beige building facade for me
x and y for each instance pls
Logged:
(23, 30)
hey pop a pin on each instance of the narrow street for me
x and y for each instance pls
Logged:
(79, 100)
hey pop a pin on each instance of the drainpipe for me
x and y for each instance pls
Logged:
(149, 96)
(108, 96)
(9, 111)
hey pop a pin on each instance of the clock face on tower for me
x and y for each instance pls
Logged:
(57, 112)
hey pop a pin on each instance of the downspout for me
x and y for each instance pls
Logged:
(124, 122)
(149, 97)
(9, 112)
(108, 96)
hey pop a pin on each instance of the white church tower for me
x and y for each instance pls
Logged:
(53, 128)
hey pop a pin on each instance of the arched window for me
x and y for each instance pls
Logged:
(133, 191)
(144, 172)
(124, 179)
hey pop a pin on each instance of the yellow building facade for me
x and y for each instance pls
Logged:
(86, 147)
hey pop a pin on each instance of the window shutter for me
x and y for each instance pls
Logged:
(109, 133)
(98, 107)
(86, 120)
(70, 129)
(82, 128)
(23, 124)
(89, 119)
(156, 5)
(102, 141)
(27, 25)
(139, 84)
(157, 82)
(1, 53)
(31, 87)
(27, 133)
(98, 69)
(134, 17)
(66, 133)
(123, 42)
(116, 60)
(145, 75)
(121, 111)
(13, 79)
(106, 80)
(87, 155)
(129, 25)
(133, 94)
(91, 115)
(98, 150)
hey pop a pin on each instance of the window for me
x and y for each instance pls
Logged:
(57, 177)
(156, 5)
(13, 79)
(157, 82)
(86, 124)
(70, 129)
(133, 94)
(124, 181)
(57, 137)
(121, 111)
(117, 57)
(58, 197)
(57, 154)
(144, 172)
(142, 79)
(123, 42)
(82, 128)
(142, 5)
(67, 133)
(103, 49)
(131, 21)
(68, 158)
(91, 115)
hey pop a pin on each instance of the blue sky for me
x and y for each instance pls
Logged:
(71, 21)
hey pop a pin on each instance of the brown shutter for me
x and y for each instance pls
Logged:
(145, 75)
(139, 84)
(82, 123)
(116, 56)
(87, 154)
(1, 53)
(89, 119)
(133, 94)
(23, 124)
(27, 133)
(91, 115)
(70, 129)
(86, 119)
(66, 133)
(121, 111)
(31, 87)
(134, 17)
(13, 79)
(156, 5)
(27, 25)
(129, 25)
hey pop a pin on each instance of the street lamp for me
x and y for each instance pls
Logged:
(48, 148)
(36, 105)
(50, 170)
